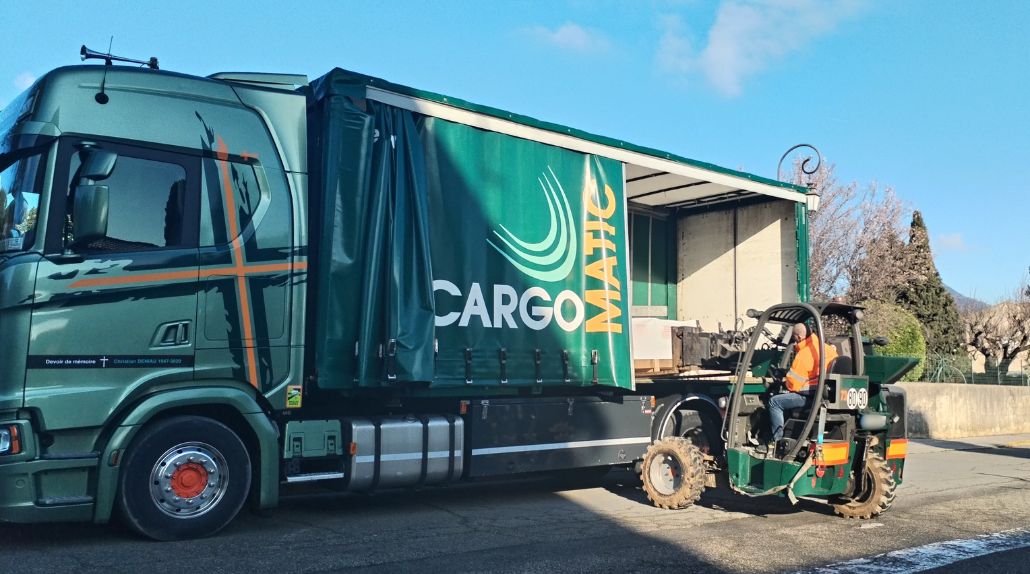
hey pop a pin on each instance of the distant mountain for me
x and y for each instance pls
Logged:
(964, 302)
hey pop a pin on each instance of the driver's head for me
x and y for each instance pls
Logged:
(800, 332)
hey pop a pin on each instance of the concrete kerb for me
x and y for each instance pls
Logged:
(957, 411)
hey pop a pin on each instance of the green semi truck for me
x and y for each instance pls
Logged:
(214, 287)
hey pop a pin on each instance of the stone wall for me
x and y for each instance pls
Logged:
(945, 411)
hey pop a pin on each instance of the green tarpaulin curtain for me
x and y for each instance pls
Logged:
(448, 255)
(376, 302)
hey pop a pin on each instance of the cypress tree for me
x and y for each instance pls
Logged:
(927, 298)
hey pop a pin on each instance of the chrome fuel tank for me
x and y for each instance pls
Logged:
(393, 452)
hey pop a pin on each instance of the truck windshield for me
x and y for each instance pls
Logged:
(19, 201)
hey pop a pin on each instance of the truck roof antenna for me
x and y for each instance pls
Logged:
(101, 97)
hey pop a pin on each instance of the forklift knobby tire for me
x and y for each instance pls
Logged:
(875, 491)
(183, 477)
(673, 473)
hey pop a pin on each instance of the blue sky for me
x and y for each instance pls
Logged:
(928, 97)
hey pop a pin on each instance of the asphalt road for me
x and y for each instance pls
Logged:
(951, 493)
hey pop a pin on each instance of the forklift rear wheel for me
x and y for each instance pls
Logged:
(673, 473)
(874, 493)
(183, 477)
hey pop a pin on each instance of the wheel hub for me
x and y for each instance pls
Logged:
(188, 480)
(666, 474)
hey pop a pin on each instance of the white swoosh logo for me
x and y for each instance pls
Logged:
(552, 258)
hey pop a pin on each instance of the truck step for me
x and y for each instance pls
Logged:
(313, 476)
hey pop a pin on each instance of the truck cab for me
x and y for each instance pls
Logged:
(149, 243)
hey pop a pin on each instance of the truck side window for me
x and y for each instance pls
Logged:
(246, 198)
(146, 207)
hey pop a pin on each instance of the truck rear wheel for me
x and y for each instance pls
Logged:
(184, 477)
(673, 473)
(874, 492)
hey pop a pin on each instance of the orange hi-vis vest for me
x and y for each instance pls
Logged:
(804, 371)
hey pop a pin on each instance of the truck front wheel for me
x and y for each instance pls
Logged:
(673, 473)
(874, 491)
(183, 477)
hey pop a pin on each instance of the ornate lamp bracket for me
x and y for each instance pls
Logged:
(812, 196)
(805, 163)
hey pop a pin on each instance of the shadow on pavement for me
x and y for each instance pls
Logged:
(512, 526)
(979, 446)
(724, 499)
(628, 486)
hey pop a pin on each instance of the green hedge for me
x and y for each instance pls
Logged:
(903, 330)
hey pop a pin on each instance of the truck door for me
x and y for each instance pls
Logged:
(246, 258)
(115, 312)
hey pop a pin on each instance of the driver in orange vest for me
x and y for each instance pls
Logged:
(802, 378)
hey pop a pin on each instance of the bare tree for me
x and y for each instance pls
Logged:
(882, 263)
(1000, 333)
(856, 240)
(831, 230)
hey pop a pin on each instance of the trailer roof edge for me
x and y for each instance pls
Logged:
(502, 121)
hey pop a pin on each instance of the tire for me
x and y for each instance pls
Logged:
(673, 473)
(701, 428)
(205, 490)
(705, 437)
(874, 493)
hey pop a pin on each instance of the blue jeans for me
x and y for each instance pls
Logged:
(780, 403)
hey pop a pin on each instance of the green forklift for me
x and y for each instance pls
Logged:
(846, 447)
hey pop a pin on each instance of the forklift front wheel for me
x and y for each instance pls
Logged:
(673, 473)
(874, 491)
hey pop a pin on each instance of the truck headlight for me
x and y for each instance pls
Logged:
(10, 443)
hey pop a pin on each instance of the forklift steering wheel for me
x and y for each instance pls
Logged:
(778, 376)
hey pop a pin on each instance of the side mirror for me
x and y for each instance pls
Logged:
(90, 212)
(97, 164)
(881, 341)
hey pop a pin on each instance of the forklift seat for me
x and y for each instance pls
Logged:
(842, 365)
(843, 347)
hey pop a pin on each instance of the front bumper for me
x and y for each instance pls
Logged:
(44, 489)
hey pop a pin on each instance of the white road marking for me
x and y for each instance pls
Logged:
(930, 556)
(870, 525)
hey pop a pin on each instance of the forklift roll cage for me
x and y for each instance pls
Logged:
(788, 314)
